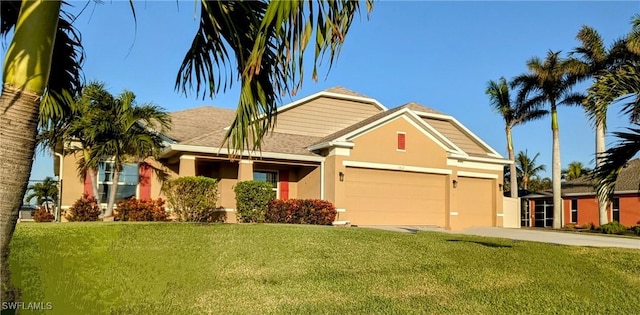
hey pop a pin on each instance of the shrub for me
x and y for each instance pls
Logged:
(252, 200)
(570, 226)
(194, 198)
(140, 210)
(42, 215)
(587, 226)
(84, 209)
(635, 229)
(613, 227)
(301, 211)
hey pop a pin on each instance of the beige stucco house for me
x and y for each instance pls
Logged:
(410, 165)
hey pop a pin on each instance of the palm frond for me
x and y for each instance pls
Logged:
(261, 45)
(614, 159)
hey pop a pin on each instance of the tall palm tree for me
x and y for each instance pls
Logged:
(44, 192)
(514, 114)
(550, 82)
(259, 44)
(595, 59)
(617, 83)
(622, 85)
(41, 70)
(119, 132)
(527, 168)
(574, 170)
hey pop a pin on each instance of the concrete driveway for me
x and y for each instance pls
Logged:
(545, 236)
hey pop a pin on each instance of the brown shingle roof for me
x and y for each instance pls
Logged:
(362, 123)
(628, 180)
(345, 91)
(272, 142)
(194, 122)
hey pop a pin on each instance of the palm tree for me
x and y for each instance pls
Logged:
(595, 59)
(513, 115)
(551, 82)
(44, 192)
(260, 44)
(622, 85)
(618, 83)
(527, 168)
(540, 184)
(40, 72)
(575, 170)
(119, 132)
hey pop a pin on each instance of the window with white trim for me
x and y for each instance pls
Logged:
(615, 209)
(269, 177)
(574, 210)
(127, 182)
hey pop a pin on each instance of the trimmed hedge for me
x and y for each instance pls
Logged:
(252, 200)
(194, 198)
(133, 209)
(42, 215)
(301, 211)
(613, 227)
(84, 209)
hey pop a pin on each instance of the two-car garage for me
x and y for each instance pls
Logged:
(390, 197)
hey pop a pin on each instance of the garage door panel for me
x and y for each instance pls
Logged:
(382, 197)
(475, 202)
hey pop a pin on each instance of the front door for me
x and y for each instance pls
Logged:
(543, 213)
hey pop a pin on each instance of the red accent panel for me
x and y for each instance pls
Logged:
(87, 185)
(401, 141)
(284, 185)
(145, 181)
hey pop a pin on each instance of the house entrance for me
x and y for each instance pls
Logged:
(543, 213)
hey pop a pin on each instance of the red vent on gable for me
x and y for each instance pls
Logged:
(401, 141)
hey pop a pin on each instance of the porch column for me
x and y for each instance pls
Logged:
(245, 170)
(187, 166)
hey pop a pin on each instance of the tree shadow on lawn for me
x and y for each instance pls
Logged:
(487, 244)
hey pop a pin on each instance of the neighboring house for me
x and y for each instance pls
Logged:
(580, 205)
(410, 165)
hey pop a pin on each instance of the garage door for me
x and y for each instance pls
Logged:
(475, 203)
(382, 197)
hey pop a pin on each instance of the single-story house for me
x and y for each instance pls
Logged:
(580, 205)
(410, 165)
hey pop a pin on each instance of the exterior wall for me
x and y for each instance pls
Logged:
(72, 185)
(511, 213)
(587, 210)
(629, 210)
(323, 116)
(380, 146)
(306, 183)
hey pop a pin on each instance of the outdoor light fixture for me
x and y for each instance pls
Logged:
(341, 174)
(500, 187)
(455, 183)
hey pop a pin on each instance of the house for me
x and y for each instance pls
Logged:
(580, 205)
(410, 165)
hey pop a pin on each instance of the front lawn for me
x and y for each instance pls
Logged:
(175, 268)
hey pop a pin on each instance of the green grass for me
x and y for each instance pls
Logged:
(173, 268)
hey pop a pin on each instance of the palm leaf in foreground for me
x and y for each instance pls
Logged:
(614, 160)
(261, 44)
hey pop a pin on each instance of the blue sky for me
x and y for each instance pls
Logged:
(440, 54)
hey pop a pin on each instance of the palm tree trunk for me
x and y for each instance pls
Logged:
(600, 148)
(112, 193)
(25, 74)
(512, 167)
(556, 171)
(94, 185)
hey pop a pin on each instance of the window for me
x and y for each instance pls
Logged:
(402, 141)
(267, 176)
(615, 209)
(127, 181)
(574, 211)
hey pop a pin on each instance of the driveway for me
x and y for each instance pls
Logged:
(563, 238)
